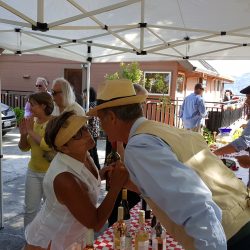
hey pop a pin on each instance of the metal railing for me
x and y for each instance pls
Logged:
(220, 114)
(14, 98)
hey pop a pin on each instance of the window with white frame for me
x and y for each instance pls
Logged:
(157, 82)
(180, 83)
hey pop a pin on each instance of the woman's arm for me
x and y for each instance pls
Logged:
(71, 192)
(30, 125)
(228, 149)
(244, 161)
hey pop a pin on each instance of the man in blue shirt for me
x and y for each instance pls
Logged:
(193, 110)
(243, 142)
(156, 170)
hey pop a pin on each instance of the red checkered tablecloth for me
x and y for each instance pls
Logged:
(106, 239)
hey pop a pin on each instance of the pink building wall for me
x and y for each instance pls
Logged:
(13, 69)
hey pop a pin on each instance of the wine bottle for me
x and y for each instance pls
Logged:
(124, 204)
(152, 234)
(146, 208)
(159, 242)
(112, 157)
(119, 231)
(89, 240)
(141, 236)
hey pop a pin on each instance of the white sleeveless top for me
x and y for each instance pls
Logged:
(54, 222)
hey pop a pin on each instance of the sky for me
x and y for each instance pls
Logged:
(231, 67)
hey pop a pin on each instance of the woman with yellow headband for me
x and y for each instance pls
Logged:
(71, 186)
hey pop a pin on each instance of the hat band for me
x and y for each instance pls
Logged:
(99, 101)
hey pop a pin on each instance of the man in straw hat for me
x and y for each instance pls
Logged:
(188, 188)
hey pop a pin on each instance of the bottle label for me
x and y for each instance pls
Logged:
(127, 223)
(122, 242)
(159, 246)
(128, 243)
(148, 207)
(143, 245)
(119, 243)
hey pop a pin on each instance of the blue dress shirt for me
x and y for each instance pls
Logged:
(175, 188)
(193, 111)
(243, 142)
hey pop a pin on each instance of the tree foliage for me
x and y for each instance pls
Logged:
(129, 71)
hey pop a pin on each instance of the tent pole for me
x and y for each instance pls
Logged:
(88, 85)
(17, 13)
(40, 11)
(89, 60)
(142, 28)
(93, 13)
(1, 176)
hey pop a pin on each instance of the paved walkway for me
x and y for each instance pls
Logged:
(14, 166)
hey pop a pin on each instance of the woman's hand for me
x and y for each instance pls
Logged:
(29, 124)
(244, 161)
(105, 172)
(22, 127)
(119, 175)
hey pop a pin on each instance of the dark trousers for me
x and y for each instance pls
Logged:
(241, 240)
(94, 154)
(133, 199)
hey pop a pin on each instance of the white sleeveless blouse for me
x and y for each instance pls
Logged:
(54, 222)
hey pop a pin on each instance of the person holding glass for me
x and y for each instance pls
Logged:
(71, 186)
(32, 132)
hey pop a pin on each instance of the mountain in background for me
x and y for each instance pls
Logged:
(240, 83)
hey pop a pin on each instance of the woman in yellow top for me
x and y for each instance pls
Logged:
(32, 132)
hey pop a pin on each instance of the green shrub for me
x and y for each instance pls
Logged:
(19, 114)
(208, 136)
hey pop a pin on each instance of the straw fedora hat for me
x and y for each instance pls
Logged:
(71, 127)
(113, 93)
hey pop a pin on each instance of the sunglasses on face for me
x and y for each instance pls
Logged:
(80, 133)
(53, 92)
(39, 85)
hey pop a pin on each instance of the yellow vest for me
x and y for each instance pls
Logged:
(228, 192)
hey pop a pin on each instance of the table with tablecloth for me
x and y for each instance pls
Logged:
(106, 239)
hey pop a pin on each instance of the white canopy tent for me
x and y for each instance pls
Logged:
(126, 30)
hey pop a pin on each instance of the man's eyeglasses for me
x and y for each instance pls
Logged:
(53, 92)
(39, 85)
(80, 133)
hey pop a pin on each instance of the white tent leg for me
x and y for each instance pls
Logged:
(88, 86)
(1, 176)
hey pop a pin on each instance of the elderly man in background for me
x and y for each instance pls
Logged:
(41, 86)
(64, 98)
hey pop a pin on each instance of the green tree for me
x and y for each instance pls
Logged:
(129, 71)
